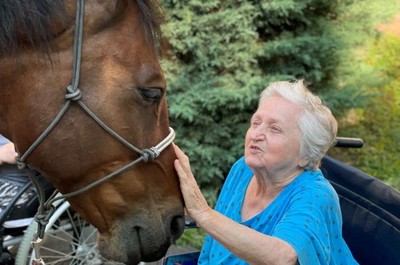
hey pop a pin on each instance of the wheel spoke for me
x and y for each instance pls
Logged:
(69, 240)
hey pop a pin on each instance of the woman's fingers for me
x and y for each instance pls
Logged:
(178, 167)
(195, 202)
(183, 162)
(179, 153)
(182, 165)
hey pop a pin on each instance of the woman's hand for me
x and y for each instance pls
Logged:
(8, 154)
(195, 203)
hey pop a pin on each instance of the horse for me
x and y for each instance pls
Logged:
(113, 112)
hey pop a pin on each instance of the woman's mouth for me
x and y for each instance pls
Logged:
(255, 148)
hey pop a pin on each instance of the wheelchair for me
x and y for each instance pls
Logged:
(68, 238)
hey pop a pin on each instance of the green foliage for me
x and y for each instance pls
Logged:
(220, 54)
(192, 237)
(295, 39)
(354, 82)
(378, 122)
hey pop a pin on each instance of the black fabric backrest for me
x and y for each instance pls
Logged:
(371, 213)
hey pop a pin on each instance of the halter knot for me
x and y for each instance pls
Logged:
(43, 217)
(20, 164)
(150, 154)
(73, 95)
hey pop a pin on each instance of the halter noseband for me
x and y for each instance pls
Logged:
(74, 95)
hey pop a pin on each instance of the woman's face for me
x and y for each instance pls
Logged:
(273, 140)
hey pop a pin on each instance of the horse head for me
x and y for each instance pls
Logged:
(139, 211)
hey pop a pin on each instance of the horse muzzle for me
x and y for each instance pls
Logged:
(147, 239)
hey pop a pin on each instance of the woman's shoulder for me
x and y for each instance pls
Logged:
(313, 184)
(241, 162)
(240, 168)
(239, 174)
(312, 178)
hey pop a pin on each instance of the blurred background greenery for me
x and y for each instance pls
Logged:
(219, 55)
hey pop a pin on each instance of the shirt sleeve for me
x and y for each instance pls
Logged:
(3, 140)
(312, 219)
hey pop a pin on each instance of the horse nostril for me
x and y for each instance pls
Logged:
(177, 227)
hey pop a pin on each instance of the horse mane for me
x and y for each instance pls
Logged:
(152, 17)
(29, 22)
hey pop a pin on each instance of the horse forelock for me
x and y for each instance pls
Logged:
(152, 16)
(29, 22)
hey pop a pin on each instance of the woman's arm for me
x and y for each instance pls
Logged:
(244, 242)
(248, 244)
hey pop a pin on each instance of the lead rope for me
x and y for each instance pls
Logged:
(46, 208)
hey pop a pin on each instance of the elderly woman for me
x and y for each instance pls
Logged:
(276, 207)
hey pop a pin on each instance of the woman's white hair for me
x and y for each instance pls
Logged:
(317, 124)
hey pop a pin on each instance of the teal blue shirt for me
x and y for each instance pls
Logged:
(306, 214)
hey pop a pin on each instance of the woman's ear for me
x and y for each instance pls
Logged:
(303, 163)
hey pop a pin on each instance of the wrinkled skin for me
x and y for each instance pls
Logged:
(140, 212)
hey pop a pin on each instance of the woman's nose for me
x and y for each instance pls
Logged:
(257, 133)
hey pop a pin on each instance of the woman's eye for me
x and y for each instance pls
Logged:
(151, 94)
(255, 123)
(275, 129)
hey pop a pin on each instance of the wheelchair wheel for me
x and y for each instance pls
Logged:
(68, 240)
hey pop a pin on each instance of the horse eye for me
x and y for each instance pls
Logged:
(151, 94)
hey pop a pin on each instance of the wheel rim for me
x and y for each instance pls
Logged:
(69, 239)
